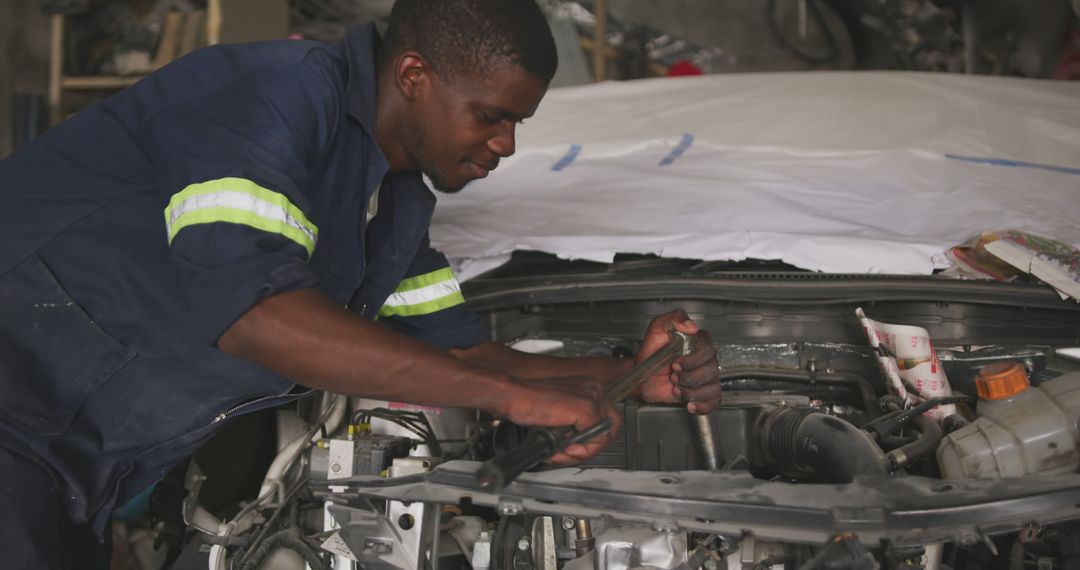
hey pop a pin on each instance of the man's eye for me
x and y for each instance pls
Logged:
(489, 119)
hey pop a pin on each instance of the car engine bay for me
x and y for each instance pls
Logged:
(817, 463)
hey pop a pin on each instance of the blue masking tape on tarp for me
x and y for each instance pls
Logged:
(1014, 163)
(568, 158)
(687, 140)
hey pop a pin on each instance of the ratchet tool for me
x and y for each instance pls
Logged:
(542, 443)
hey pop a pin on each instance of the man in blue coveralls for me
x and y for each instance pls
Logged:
(222, 237)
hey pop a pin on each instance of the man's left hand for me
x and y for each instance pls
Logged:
(693, 378)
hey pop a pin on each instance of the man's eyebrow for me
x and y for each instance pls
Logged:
(506, 114)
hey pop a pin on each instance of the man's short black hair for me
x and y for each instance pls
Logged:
(471, 35)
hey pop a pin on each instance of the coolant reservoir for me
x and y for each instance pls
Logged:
(1021, 430)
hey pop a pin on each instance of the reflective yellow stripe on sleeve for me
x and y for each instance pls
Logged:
(424, 294)
(239, 201)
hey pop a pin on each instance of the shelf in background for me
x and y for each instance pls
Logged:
(88, 82)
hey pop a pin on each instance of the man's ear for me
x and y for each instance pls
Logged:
(411, 72)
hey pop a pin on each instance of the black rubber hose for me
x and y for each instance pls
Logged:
(804, 443)
(300, 484)
(497, 542)
(930, 436)
(897, 416)
(799, 381)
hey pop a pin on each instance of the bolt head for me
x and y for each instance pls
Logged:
(336, 468)
(509, 509)
(663, 526)
(523, 544)
(568, 522)
(378, 546)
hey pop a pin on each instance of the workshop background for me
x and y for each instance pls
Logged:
(59, 55)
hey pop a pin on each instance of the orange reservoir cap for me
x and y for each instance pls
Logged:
(1001, 380)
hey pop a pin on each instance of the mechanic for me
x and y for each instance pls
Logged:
(247, 224)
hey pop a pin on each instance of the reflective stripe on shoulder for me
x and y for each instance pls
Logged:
(424, 294)
(239, 201)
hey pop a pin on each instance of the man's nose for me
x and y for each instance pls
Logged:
(502, 144)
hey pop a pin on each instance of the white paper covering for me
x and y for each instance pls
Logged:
(837, 172)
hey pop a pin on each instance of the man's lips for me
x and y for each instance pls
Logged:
(479, 169)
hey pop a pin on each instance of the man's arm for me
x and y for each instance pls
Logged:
(692, 379)
(525, 365)
(304, 336)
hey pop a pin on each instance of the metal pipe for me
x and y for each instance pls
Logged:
(799, 380)
(436, 534)
(971, 37)
(708, 440)
(600, 40)
(585, 541)
(56, 70)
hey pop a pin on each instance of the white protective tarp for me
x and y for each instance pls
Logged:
(837, 172)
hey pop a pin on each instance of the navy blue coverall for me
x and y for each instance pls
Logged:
(139, 230)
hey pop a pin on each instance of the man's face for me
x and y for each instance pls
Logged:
(466, 123)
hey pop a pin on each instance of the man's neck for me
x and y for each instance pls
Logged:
(389, 122)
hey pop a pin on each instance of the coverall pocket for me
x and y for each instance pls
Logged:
(52, 354)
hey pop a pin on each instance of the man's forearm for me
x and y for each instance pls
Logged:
(302, 335)
(538, 366)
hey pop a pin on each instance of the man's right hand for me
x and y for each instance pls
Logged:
(570, 401)
(304, 336)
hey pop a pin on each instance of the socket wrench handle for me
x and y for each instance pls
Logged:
(540, 444)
